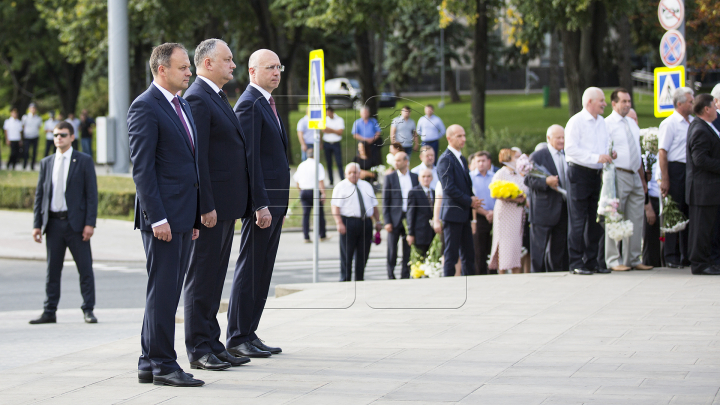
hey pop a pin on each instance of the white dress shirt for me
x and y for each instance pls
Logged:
(615, 125)
(31, 125)
(56, 171)
(419, 168)
(267, 97)
(14, 127)
(672, 137)
(586, 138)
(559, 160)
(210, 83)
(49, 128)
(344, 197)
(305, 174)
(713, 128)
(169, 96)
(333, 123)
(405, 186)
(430, 128)
(458, 155)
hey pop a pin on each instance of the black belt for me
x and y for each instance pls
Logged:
(58, 214)
(625, 170)
(596, 171)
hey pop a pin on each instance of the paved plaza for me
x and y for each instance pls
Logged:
(624, 338)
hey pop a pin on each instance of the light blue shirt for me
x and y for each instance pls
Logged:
(481, 187)
(430, 128)
(367, 129)
(307, 133)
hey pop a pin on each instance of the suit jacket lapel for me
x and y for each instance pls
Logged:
(550, 163)
(172, 114)
(225, 107)
(266, 105)
(71, 170)
(188, 112)
(49, 178)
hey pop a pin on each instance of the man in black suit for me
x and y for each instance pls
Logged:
(457, 204)
(223, 199)
(266, 142)
(66, 201)
(702, 182)
(548, 207)
(421, 201)
(716, 235)
(395, 204)
(163, 150)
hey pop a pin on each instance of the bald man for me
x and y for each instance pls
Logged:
(266, 141)
(548, 207)
(395, 204)
(586, 150)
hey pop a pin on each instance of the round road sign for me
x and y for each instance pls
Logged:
(671, 13)
(672, 48)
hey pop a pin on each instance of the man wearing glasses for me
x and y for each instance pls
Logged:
(66, 202)
(266, 141)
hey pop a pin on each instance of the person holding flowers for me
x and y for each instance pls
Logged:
(510, 193)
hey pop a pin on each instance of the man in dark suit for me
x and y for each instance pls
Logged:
(457, 204)
(702, 182)
(716, 235)
(223, 199)
(421, 200)
(266, 142)
(163, 150)
(548, 208)
(66, 201)
(395, 204)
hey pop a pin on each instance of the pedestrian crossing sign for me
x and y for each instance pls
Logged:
(666, 81)
(316, 90)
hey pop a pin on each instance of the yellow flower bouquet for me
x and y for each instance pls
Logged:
(504, 189)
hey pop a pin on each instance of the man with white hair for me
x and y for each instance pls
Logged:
(353, 207)
(586, 150)
(716, 101)
(672, 145)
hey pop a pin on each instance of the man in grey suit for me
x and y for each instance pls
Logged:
(66, 202)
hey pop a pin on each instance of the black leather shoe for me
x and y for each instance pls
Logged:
(247, 349)
(90, 317)
(146, 377)
(582, 271)
(234, 361)
(44, 318)
(262, 346)
(177, 378)
(708, 271)
(674, 265)
(603, 271)
(209, 362)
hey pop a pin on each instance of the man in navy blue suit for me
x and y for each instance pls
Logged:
(457, 204)
(266, 142)
(163, 150)
(223, 199)
(395, 207)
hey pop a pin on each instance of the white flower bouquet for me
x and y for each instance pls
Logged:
(619, 230)
(649, 140)
(673, 220)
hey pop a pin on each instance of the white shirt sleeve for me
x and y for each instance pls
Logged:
(665, 135)
(158, 223)
(573, 141)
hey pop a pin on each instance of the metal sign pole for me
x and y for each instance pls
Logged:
(316, 208)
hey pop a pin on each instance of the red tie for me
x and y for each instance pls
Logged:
(272, 105)
(176, 103)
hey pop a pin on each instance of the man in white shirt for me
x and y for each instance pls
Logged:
(13, 137)
(430, 128)
(334, 128)
(427, 161)
(48, 127)
(306, 136)
(629, 183)
(72, 119)
(395, 199)
(672, 145)
(586, 150)
(402, 130)
(305, 178)
(353, 207)
(31, 131)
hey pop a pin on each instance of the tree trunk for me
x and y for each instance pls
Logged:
(571, 51)
(479, 69)
(451, 85)
(554, 98)
(624, 63)
(72, 75)
(379, 57)
(591, 49)
(366, 70)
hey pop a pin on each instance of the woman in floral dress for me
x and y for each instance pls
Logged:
(508, 219)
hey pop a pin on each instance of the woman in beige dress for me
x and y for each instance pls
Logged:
(508, 220)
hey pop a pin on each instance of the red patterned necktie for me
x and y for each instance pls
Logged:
(272, 105)
(176, 103)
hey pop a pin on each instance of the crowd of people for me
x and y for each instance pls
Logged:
(22, 135)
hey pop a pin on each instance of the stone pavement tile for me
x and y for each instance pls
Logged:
(511, 390)
(692, 400)
(662, 386)
(480, 396)
(608, 400)
(550, 381)
(659, 359)
(545, 371)
(449, 392)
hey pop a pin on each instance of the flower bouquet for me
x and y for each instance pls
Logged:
(649, 144)
(608, 206)
(504, 189)
(673, 220)
(527, 167)
(428, 266)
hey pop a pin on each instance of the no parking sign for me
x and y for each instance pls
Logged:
(666, 81)
(672, 48)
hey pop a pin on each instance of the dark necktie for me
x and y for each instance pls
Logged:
(363, 213)
(176, 103)
(429, 197)
(224, 97)
(272, 105)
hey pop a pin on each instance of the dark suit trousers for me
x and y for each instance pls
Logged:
(482, 239)
(32, 156)
(251, 283)
(548, 245)
(167, 263)
(651, 253)
(15, 154)
(49, 147)
(585, 233)
(392, 252)
(59, 236)
(458, 243)
(355, 243)
(203, 289)
(676, 244)
(306, 199)
(702, 228)
(333, 149)
(715, 256)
